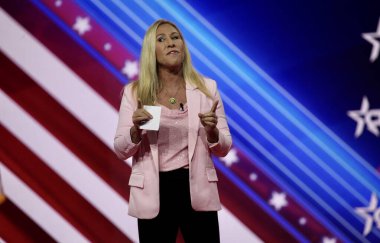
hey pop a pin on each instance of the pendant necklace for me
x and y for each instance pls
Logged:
(172, 100)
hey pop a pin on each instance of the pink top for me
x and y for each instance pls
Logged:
(173, 139)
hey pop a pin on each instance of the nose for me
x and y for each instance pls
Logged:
(170, 42)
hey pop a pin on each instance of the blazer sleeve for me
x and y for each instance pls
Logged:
(123, 145)
(223, 146)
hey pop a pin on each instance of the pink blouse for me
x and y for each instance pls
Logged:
(173, 139)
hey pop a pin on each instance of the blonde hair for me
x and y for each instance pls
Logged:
(148, 84)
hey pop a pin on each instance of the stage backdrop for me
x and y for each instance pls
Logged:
(300, 81)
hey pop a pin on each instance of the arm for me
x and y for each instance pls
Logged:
(128, 136)
(218, 135)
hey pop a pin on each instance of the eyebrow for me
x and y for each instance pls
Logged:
(175, 32)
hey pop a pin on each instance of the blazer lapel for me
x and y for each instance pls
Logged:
(193, 97)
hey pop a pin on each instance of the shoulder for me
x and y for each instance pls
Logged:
(130, 88)
(129, 91)
(210, 84)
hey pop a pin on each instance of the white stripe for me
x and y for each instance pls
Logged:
(37, 209)
(130, 14)
(77, 97)
(57, 79)
(148, 9)
(118, 22)
(232, 230)
(63, 162)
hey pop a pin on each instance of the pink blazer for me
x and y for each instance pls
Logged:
(144, 179)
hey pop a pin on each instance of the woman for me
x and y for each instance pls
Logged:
(173, 179)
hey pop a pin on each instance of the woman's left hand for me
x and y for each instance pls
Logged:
(209, 121)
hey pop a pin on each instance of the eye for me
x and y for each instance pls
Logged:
(160, 39)
(176, 37)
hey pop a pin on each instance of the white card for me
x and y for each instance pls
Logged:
(154, 123)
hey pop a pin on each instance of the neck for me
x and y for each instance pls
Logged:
(170, 77)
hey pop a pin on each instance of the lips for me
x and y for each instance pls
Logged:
(172, 52)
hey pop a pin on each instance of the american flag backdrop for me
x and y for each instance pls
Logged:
(301, 87)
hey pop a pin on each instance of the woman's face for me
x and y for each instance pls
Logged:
(169, 47)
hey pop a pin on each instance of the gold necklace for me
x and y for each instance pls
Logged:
(172, 100)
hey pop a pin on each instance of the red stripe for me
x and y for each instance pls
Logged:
(16, 226)
(251, 214)
(97, 37)
(264, 186)
(66, 128)
(63, 46)
(56, 192)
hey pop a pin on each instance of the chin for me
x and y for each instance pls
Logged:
(174, 64)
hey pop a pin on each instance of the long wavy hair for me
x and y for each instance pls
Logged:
(148, 85)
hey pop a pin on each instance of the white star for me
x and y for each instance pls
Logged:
(107, 46)
(278, 200)
(371, 214)
(365, 116)
(58, 3)
(253, 176)
(82, 25)
(230, 158)
(371, 38)
(130, 69)
(302, 221)
(326, 239)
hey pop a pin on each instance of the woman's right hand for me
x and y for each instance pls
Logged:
(140, 116)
